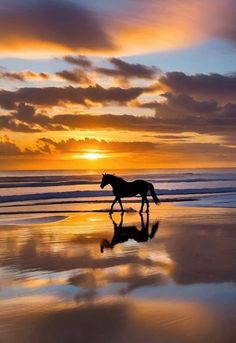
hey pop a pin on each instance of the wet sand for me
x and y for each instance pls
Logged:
(81, 277)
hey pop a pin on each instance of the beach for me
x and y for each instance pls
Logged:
(70, 272)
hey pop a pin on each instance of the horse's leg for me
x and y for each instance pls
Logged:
(122, 209)
(121, 221)
(115, 200)
(147, 202)
(141, 208)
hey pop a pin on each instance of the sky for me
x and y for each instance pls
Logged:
(117, 84)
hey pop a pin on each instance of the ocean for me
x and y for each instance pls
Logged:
(70, 272)
(43, 191)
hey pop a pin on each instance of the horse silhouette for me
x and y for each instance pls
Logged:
(124, 233)
(122, 189)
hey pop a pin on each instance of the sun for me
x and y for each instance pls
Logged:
(92, 156)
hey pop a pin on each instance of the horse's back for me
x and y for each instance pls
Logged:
(132, 188)
(140, 182)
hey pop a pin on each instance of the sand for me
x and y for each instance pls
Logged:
(67, 278)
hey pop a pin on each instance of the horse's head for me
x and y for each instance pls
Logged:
(105, 180)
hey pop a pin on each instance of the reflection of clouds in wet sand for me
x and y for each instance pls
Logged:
(56, 284)
(118, 320)
(75, 261)
(203, 253)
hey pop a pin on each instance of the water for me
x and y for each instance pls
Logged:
(70, 273)
(213, 187)
(176, 284)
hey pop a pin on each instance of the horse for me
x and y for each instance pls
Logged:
(124, 233)
(122, 189)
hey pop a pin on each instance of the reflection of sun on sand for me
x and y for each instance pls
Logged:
(55, 280)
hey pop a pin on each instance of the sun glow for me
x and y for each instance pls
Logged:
(92, 156)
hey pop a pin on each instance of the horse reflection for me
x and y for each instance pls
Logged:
(124, 233)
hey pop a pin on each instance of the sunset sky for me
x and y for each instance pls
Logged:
(117, 84)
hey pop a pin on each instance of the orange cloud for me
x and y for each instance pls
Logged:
(136, 27)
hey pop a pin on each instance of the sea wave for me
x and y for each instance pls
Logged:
(102, 193)
(50, 182)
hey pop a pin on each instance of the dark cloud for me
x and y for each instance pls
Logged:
(181, 104)
(215, 86)
(23, 75)
(51, 96)
(78, 60)
(25, 119)
(26, 113)
(172, 137)
(72, 145)
(8, 148)
(61, 23)
(10, 123)
(228, 30)
(183, 113)
(131, 27)
(106, 121)
(12, 76)
(177, 114)
(75, 76)
(128, 70)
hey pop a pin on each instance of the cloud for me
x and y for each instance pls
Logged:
(50, 152)
(23, 75)
(227, 29)
(9, 123)
(178, 114)
(132, 27)
(173, 113)
(184, 108)
(8, 148)
(173, 24)
(122, 70)
(59, 24)
(51, 96)
(25, 119)
(145, 151)
(215, 86)
(12, 76)
(73, 145)
(74, 76)
(78, 60)
(128, 70)
(184, 113)
(26, 113)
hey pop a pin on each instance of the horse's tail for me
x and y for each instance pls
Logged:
(153, 194)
